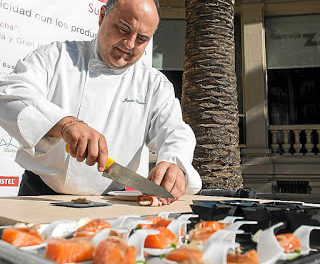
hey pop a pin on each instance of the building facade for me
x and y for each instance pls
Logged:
(278, 69)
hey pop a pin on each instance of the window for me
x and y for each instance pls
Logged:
(168, 51)
(293, 69)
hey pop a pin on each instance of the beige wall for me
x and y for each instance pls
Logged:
(172, 9)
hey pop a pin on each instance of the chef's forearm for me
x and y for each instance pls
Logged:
(29, 123)
(25, 110)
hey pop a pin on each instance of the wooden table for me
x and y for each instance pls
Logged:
(37, 209)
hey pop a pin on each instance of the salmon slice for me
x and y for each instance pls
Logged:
(114, 250)
(151, 219)
(204, 230)
(156, 222)
(92, 228)
(162, 222)
(200, 235)
(22, 237)
(62, 250)
(289, 242)
(192, 261)
(250, 257)
(212, 224)
(184, 253)
(162, 240)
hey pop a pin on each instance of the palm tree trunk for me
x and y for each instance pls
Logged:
(209, 95)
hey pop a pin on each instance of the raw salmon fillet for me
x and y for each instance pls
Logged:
(114, 250)
(250, 257)
(92, 228)
(62, 250)
(212, 224)
(162, 240)
(289, 242)
(184, 253)
(22, 237)
(162, 222)
(203, 231)
(156, 222)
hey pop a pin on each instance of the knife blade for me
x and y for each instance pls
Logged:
(123, 175)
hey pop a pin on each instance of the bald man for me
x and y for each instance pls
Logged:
(98, 98)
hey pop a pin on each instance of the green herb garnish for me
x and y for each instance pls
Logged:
(173, 245)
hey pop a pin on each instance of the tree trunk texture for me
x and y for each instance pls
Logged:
(209, 95)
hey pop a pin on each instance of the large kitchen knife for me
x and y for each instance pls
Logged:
(120, 174)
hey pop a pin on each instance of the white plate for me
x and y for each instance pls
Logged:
(34, 248)
(157, 251)
(125, 195)
(169, 261)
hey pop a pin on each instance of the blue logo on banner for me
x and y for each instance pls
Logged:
(9, 146)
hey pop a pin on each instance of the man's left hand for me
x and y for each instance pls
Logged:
(170, 177)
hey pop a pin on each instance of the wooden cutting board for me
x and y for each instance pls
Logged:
(37, 209)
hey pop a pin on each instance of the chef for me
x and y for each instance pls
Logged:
(100, 99)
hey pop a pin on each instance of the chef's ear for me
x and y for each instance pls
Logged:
(102, 14)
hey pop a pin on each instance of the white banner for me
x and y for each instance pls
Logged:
(24, 26)
(293, 42)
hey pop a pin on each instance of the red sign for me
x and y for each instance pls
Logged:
(103, 1)
(130, 189)
(9, 181)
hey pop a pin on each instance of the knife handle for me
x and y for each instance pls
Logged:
(109, 161)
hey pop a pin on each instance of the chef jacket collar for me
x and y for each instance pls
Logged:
(96, 63)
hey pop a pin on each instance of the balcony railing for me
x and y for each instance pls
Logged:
(295, 139)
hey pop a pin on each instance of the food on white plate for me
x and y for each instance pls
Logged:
(161, 238)
(114, 250)
(289, 242)
(164, 239)
(157, 221)
(204, 230)
(91, 228)
(22, 236)
(189, 254)
(62, 250)
(185, 253)
(250, 257)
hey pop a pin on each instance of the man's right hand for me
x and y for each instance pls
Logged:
(83, 141)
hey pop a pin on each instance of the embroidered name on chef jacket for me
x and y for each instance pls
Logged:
(136, 101)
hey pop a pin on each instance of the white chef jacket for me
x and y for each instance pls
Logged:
(130, 107)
